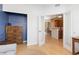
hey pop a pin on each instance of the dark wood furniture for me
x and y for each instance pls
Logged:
(14, 34)
(74, 39)
(60, 34)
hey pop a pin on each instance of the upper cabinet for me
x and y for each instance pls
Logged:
(57, 22)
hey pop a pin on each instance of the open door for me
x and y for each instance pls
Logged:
(67, 30)
(41, 31)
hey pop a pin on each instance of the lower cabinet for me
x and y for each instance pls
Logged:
(57, 33)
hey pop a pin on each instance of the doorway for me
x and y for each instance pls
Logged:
(54, 29)
(65, 42)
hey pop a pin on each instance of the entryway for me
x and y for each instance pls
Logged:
(65, 40)
(54, 28)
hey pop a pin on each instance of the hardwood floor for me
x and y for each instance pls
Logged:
(52, 47)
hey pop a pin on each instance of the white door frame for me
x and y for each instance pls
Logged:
(64, 37)
(41, 31)
(44, 27)
(67, 39)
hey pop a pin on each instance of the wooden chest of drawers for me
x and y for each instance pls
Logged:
(14, 34)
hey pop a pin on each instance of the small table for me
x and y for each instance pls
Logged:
(74, 39)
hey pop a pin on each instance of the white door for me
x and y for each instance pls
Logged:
(67, 30)
(41, 31)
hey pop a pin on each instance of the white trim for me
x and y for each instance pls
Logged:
(68, 48)
(31, 44)
(24, 41)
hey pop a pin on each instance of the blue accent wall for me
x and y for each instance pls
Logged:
(3, 22)
(19, 20)
(15, 20)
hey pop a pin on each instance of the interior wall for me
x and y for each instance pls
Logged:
(75, 21)
(3, 22)
(51, 9)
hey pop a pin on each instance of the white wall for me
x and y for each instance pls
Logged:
(74, 10)
(32, 12)
(75, 22)
(52, 10)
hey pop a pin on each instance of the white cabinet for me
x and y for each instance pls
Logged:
(55, 33)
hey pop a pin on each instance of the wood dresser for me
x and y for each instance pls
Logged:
(74, 39)
(14, 34)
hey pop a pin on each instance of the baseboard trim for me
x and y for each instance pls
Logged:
(29, 44)
(68, 48)
(24, 41)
